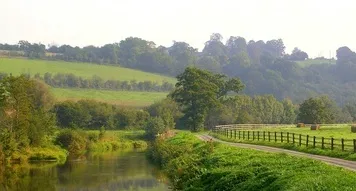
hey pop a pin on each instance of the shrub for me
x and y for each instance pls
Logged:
(75, 141)
(154, 127)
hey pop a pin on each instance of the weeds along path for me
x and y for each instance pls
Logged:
(351, 165)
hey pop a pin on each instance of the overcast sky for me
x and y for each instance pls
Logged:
(315, 26)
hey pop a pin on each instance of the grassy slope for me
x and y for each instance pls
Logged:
(135, 99)
(315, 61)
(18, 66)
(194, 165)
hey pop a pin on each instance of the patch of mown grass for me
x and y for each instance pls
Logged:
(192, 164)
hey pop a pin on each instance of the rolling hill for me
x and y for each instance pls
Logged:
(18, 66)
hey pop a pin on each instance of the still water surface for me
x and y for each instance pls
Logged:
(106, 171)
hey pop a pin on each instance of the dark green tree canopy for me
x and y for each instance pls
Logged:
(318, 110)
(199, 90)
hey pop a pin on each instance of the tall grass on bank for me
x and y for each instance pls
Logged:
(192, 164)
(78, 142)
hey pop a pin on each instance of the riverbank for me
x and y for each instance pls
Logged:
(194, 164)
(75, 143)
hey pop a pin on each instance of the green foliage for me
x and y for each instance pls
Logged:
(24, 114)
(90, 114)
(318, 110)
(50, 153)
(74, 141)
(192, 164)
(198, 91)
(166, 109)
(154, 127)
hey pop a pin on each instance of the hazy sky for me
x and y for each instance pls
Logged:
(315, 26)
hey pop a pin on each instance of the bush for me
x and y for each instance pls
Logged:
(93, 137)
(75, 141)
(154, 127)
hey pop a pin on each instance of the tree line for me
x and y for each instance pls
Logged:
(60, 80)
(264, 67)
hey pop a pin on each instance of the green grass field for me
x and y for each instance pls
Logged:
(18, 66)
(337, 131)
(125, 98)
(309, 62)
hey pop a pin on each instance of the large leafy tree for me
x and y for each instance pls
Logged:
(24, 116)
(318, 110)
(198, 91)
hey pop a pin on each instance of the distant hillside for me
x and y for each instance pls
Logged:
(309, 62)
(124, 98)
(18, 66)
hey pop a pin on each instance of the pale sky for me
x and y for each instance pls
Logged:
(315, 26)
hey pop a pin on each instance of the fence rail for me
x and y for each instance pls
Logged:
(290, 138)
(256, 126)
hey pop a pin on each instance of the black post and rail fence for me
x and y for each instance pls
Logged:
(295, 139)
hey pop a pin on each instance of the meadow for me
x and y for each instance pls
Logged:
(18, 66)
(124, 98)
(328, 131)
(192, 164)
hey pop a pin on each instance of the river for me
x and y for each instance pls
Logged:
(129, 170)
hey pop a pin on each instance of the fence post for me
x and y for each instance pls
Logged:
(300, 140)
(322, 142)
(235, 133)
(354, 145)
(253, 135)
(281, 137)
(264, 135)
(342, 145)
(293, 138)
(314, 141)
(231, 133)
(258, 135)
(307, 143)
(248, 135)
(269, 136)
(239, 134)
(243, 135)
(332, 143)
(275, 136)
(287, 137)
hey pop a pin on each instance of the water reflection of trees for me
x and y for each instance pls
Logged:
(109, 171)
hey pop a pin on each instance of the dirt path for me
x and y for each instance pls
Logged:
(351, 165)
